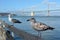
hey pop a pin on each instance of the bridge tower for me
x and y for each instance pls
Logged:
(48, 10)
(32, 13)
(49, 5)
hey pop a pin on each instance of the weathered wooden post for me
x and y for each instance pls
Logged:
(2, 32)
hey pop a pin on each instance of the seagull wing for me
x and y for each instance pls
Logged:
(15, 21)
(45, 27)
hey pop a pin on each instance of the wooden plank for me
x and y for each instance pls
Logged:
(22, 33)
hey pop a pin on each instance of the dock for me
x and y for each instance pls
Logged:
(21, 33)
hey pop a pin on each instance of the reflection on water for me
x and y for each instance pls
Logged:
(46, 35)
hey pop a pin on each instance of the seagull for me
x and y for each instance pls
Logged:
(13, 20)
(39, 26)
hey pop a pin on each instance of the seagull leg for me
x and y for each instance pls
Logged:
(12, 24)
(39, 34)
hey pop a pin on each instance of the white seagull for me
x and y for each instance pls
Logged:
(39, 26)
(13, 20)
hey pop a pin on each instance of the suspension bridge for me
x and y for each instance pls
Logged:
(31, 11)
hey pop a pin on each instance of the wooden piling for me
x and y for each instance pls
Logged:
(2, 34)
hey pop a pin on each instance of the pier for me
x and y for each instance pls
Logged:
(21, 33)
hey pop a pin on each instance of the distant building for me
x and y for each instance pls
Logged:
(4, 14)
